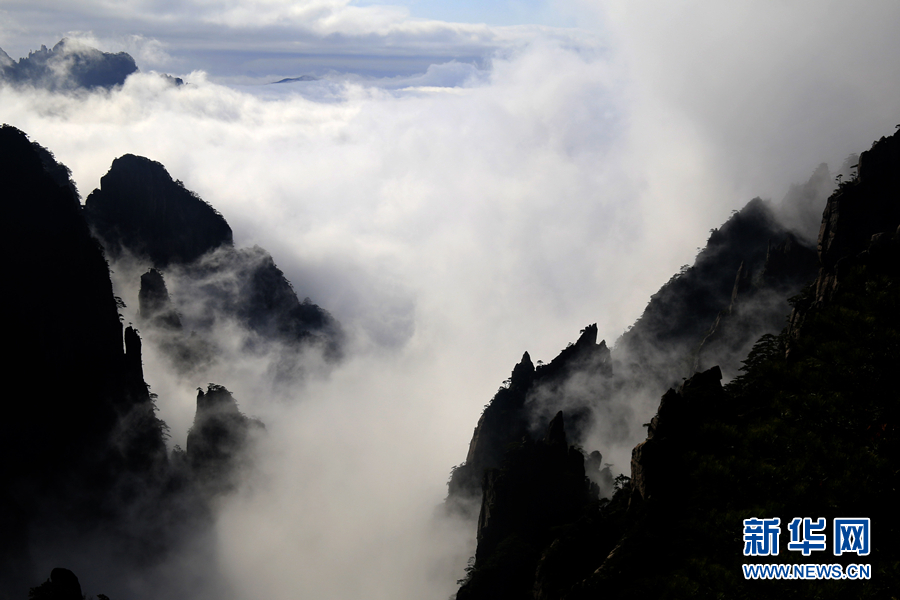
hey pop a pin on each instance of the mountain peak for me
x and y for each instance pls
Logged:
(68, 65)
(140, 208)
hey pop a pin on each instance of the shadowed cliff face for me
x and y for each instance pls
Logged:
(858, 223)
(68, 66)
(220, 442)
(540, 485)
(812, 431)
(143, 216)
(139, 208)
(862, 207)
(81, 421)
(87, 479)
(521, 406)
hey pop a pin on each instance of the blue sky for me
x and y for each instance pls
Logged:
(491, 12)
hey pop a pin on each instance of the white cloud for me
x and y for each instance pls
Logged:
(448, 232)
(560, 184)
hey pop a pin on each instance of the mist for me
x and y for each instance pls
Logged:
(451, 216)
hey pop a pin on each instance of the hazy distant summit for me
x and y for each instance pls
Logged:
(296, 79)
(67, 66)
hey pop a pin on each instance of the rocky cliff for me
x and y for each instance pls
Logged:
(219, 445)
(140, 208)
(86, 472)
(80, 418)
(812, 430)
(521, 407)
(140, 213)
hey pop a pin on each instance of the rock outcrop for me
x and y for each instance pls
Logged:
(139, 210)
(541, 485)
(655, 462)
(861, 207)
(530, 396)
(220, 442)
(154, 303)
(862, 215)
(62, 585)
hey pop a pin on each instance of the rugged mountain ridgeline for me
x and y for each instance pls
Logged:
(70, 66)
(87, 477)
(150, 224)
(806, 427)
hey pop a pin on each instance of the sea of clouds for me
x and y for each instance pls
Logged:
(452, 218)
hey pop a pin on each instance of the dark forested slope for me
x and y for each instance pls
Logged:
(86, 475)
(808, 429)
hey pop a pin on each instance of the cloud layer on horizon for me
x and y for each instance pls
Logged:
(256, 40)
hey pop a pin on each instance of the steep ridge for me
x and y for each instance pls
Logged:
(520, 408)
(743, 275)
(80, 418)
(141, 213)
(736, 291)
(710, 449)
(87, 477)
(812, 431)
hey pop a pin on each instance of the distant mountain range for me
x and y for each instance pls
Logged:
(296, 79)
(70, 66)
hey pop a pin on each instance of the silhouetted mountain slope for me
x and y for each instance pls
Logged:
(810, 432)
(141, 211)
(736, 290)
(68, 66)
(743, 275)
(520, 408)
(713, 311)
(85, 471)
(759, 304)
(62, 585)
(80, 420)
(540, 485)
(139, 208)
(218, 444)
